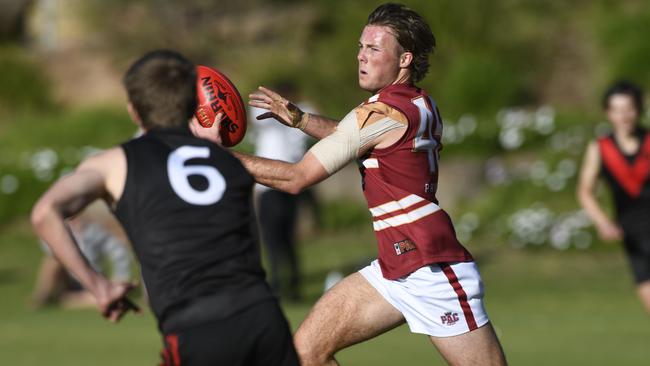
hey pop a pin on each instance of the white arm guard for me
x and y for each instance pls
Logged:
(344, 144)
(339, 148)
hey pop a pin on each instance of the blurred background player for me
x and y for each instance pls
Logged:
(277, 210)
(100, 247)
(623, 159)
(424, 276)
(186, 205)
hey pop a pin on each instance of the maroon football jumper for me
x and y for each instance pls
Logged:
(400, 184)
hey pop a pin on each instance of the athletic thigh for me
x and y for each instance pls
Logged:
(349, 313)
(478, 347)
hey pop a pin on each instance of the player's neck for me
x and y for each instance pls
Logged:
(401, 79)
(626, 135)
(404, 77)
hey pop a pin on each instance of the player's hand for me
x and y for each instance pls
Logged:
(211, 133)
(609, 231)
(277, 106)
(112, 300)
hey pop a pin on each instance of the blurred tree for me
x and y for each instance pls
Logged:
(12, 20)
(621, 31)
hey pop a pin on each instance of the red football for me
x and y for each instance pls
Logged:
(216, 93)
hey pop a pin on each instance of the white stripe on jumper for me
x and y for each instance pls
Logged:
(373, 99)
(371, 163)
(391, 206)
(406, 218)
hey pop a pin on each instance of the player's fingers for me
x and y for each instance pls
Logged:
(215, 129)
(106, 308)
(121, 314)
(118, 315)
(273, 95)
(194, 125)
(217, 119)
(122, 307)
(194, 121)
(113, 314)
(260, 97)
(105, 311)
(258, 104)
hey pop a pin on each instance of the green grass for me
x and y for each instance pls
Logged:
(549, 308)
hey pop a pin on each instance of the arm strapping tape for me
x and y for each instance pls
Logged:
(345, 143)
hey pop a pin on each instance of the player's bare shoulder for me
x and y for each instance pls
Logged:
(590, 166)
(592, 153)
(110, 165)
(104, 161)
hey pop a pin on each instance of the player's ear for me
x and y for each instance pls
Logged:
(135, 117)
(405, 60)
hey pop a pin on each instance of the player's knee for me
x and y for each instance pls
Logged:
(309, 351)
(643, 290)
(645, 300)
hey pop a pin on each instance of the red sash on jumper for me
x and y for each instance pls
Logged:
(630, 176)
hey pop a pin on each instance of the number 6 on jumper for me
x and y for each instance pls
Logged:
(179, 174)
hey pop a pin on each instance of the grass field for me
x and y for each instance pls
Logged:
(549, 308)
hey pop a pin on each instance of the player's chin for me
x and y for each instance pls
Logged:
(630, 125)
(363, 84)
(625, 127)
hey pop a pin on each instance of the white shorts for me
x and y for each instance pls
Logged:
(440, 300)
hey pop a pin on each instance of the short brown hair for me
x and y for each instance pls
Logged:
(411, 31)
(161, 85)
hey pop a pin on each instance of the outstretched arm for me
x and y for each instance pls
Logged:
(283, 176)
(347, 142)
(280, 175)
(67, 197)
(289, 114)
(607, 229)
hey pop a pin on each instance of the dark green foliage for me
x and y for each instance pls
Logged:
(23, 84)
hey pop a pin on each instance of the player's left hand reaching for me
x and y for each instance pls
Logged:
(278, 107)
(112, 300)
